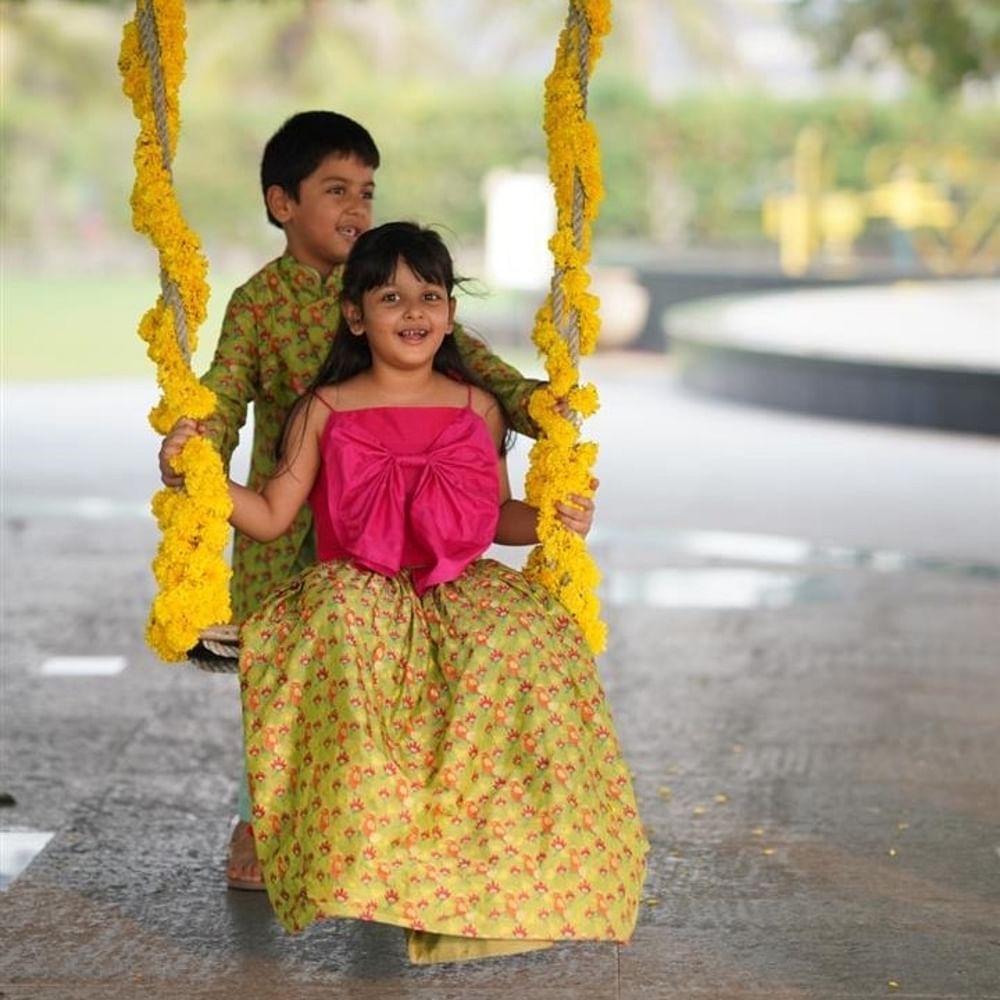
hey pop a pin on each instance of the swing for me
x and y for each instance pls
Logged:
(190, 565)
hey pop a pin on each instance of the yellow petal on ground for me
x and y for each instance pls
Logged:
(768, 851)
(721, 799)
(902, 826)
(664, 792)
(698, 811)
(758, 831)
(893, 985)
(892, 852)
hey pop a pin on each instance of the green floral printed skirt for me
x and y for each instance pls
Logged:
(445, 763)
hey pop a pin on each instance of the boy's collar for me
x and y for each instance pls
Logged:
(306, 274)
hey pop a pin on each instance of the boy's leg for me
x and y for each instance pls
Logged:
(242, 869)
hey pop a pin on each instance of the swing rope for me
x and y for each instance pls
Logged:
(150, 42)
(190, 565)
(567, 324)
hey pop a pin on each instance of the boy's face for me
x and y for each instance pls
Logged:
(333, 209)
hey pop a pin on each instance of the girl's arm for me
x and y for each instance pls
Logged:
(518, 524)
(268, 514)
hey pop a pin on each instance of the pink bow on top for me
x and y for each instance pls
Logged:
(387, 498)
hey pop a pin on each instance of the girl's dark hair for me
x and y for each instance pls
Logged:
(301, 145)
(371, 264)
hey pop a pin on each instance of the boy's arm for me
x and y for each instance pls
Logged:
(503, 380)
(234, 376)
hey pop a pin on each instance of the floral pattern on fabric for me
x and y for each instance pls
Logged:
(446, 763)
(275, 335)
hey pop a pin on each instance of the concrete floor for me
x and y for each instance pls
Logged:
(814, 731)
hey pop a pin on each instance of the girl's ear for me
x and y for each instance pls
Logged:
(355, 320)
(279, 203)
(451, 316)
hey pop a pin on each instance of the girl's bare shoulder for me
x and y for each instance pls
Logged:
(324, 399)
(487, 406)
(482, 401)
(353, 393)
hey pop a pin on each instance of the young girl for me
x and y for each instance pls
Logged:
(428, 743)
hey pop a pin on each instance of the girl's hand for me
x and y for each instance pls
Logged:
(577, 512)
(171, 446)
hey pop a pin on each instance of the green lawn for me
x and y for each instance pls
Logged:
(83, 326)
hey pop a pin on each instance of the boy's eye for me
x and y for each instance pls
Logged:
(368, 195)
(336, 189)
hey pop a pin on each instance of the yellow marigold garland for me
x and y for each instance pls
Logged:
(190, 566)
(560, 463)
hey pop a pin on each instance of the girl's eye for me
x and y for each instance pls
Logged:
(389, 296)
(431, 296)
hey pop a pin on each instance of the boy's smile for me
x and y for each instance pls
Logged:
(333, 208)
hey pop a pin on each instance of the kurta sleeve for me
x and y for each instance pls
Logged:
(234, 375)
(503, 380)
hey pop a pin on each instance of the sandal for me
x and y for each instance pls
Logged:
(242, 868)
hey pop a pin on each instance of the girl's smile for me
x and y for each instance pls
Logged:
(406, 319)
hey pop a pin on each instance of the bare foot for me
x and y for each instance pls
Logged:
(242, 867)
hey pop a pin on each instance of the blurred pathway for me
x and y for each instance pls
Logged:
(803, 670)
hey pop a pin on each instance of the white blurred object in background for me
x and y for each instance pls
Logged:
(520, 219)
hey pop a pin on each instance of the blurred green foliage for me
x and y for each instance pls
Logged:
(694, 167)
(731, 151)
(942, 43)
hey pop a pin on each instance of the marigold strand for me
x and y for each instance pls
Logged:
(190, 567)
(560, 463)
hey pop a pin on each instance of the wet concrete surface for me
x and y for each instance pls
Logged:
(818, 775)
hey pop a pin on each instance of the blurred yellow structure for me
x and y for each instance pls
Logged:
(944, 206)
(811, 217)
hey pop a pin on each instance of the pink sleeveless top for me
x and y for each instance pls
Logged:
(406, 488)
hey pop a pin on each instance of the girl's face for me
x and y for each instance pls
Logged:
(405, 320)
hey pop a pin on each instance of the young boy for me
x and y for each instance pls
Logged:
(317, 178)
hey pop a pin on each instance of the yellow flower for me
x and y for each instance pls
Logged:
(560, 463)
(190, 566)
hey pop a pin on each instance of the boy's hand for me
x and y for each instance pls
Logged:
(576, 512)
(178, 435)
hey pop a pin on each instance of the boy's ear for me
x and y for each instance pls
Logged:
(279, 202)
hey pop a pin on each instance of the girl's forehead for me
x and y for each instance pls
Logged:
(403, 271)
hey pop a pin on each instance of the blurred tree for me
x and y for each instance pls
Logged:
(943, 43)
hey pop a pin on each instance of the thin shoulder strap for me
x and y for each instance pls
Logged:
(316, 395)
(468, 395)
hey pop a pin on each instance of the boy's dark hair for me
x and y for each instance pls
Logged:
(371, 263)
(302, 143)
